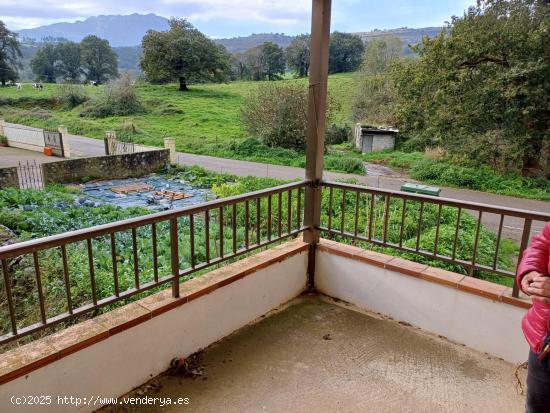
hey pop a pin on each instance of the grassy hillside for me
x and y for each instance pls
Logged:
(202, 120)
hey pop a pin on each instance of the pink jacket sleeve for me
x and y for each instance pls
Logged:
(536, 256)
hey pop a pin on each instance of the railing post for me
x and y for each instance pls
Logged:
(524, 242)
(65, 141)
(317, 101)
(110, 142)
(175, 257)
(170, 144)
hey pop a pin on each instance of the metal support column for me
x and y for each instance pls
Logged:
(317, 102)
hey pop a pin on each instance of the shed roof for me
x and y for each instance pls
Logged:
(378, 129)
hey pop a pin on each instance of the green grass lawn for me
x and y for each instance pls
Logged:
(206, 119)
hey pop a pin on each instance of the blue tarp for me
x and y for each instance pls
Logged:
(99, 192)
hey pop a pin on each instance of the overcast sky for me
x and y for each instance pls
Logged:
(227, 18)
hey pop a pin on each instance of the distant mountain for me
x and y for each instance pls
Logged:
(241, 44)
(119, 30)
(125, 33)
(408, 36)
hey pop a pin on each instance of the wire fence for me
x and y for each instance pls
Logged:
(30, 175)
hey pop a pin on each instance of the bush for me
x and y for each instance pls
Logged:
(344, 164)
(277, 115)
(119, 99)
(337, 134)
(70, 95)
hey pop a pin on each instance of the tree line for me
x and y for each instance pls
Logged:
(92, 59)
(182, 54)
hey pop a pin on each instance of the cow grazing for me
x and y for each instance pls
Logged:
(19, 86)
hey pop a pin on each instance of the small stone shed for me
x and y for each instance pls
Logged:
(373, 139)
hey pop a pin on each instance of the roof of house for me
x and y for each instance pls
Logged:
(378, 129)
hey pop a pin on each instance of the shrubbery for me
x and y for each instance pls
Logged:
(70, 95)
(277, 115)
(119, 99)
(337, 134)
(480, 178)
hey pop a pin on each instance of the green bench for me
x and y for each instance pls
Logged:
(421, 189)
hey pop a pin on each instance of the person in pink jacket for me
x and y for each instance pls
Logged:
(533, 277)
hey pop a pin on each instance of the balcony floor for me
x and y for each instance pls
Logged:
(317, 356)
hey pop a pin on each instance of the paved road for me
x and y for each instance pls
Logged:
(512, 226)
(83, 146)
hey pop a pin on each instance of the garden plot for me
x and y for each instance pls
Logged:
(156, 192)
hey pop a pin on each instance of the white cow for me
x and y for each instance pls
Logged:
(19, 86)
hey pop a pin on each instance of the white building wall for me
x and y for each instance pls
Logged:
(480, 323)
(383, 142)
(118, 364)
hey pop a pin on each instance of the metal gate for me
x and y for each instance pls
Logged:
(53, 139)
(30, 175)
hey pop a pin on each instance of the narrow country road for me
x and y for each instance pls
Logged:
(83, 146)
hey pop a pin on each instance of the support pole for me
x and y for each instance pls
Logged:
(317, 103)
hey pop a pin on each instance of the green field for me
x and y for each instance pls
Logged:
(204, 120)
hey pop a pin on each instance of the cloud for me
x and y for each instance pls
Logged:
(222, 18)
(283, 12)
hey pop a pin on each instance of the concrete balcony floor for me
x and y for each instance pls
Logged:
(315, 355)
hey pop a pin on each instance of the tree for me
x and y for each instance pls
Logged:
(273, 60)
(68, 64)
(43, 64)
(10, 54)
(183, 53)
(297, 55)
(345, 52)
(481, 89)
(380, 53)
(98, 60)
(239, 68)
(254, 63)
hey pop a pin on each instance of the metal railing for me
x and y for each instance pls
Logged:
(118, 260)
(396, 220)
(121, 259)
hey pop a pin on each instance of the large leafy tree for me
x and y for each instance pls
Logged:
(10, 55)
(98, 60)
(273, 60)
(184, 54)
(297, 55)
(345, 52)
(68, 64)
(43, 63)
(481, 88)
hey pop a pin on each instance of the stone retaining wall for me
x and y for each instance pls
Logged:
(106, 167)
(9, 177)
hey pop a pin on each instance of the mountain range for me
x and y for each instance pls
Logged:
(128, 30)
(124, 34)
